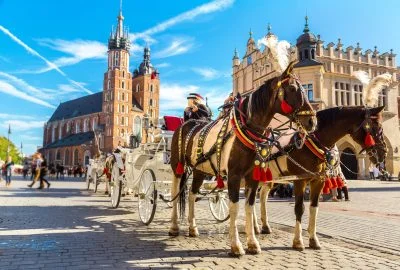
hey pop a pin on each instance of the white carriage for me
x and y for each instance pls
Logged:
(96, 173)
(146, 171)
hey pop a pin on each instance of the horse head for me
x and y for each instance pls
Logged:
(292, 101)
(370, 135)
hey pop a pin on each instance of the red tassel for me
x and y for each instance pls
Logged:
(328, 180)
(285, 107)
(268, 174)
(340, 182)
(333, 181)
(369, 140)
(326, 188)
(220, 182)
(256, 173)
(179, 168)
(263, 177)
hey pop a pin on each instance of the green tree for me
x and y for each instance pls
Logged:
(14, 151)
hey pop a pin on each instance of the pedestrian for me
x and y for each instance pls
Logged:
(344, 188)
(371, 171)
(25, 169)
(43, 172)
(9, 167)
(376, 172)
(37, 160)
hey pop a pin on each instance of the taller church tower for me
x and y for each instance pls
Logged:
(117, 88)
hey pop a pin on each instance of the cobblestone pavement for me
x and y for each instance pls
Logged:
(67, 227)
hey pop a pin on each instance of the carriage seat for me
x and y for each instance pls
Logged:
(172, 122)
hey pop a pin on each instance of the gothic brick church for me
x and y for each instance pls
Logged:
(119, 114)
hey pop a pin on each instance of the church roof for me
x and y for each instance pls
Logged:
(78, 107)
(307, 63)
(72, 140)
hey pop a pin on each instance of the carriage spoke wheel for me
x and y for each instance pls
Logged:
(88, 180)
(115, 186)
(219, 206)
(147, 196)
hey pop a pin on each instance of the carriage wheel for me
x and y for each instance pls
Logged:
(88, 180)
(115, 186)
(219, 206)
(147, 195)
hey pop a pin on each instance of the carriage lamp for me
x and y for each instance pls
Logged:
(146, 124)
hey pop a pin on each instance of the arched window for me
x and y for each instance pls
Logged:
(76, 157)
(66, 157)
(122, 132)
(123, 75)
(123, 85)
(123, 97)
(108, 85)
(300, 55)
(122, 120)
(306, 54)
(116, 62)
(151, 88)
(122, 108)
(137, 126)
(137, 88)
(312, 54)
(58, 155)
(68, 127)
(77, 127)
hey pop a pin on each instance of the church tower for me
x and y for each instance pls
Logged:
(146, 87)
(117, 88)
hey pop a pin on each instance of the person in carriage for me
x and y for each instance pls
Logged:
(197, 108)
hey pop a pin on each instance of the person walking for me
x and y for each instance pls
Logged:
(37, 161)
(376, 172)
(43, 172)
(9, 167)
(371, 171)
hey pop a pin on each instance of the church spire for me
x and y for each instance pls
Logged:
(306, 29)
(120, 38)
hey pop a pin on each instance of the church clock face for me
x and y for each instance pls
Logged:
(249, 60)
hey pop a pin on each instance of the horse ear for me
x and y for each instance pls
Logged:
(289, 69)
(375, 111)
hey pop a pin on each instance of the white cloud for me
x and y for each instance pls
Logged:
(79, 50)
(163, 65)
(35, 53)
(20, 125)
(9, 89)
(15, 116)
(207, 73)
(207, 8)
(173, 96)
(178, 46)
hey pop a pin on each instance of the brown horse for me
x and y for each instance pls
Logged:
(232, 158)
(333, 124)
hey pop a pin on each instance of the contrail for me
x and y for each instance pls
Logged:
(35, 53)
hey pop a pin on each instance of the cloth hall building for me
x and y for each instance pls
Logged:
(326, 73)
(79, 128)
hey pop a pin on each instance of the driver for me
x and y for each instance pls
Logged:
(196, 108)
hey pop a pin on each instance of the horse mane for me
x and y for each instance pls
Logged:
(261, 96)
(328, 116)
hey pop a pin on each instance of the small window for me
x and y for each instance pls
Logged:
(336, 86)
(312, 54)
(151, 102)
(123, 75)
(306, 54)
(300, 55)
(123, 97)
(137, 88)
(347, 86)
(123, 85)
(123, 109)
(151, 88)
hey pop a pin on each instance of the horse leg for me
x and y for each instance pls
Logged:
(174, 228)
(233, 191)
(265, 189)
(315, 190)
(299, 187)
(255, 222)
(253, 246)
(196, 184)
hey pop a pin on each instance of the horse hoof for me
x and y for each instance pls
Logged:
(298, 245)
(236, 252)
(266, 230)
(314, 243)
(193, 232)
(173, 232)
(257, 230)
(253, 249)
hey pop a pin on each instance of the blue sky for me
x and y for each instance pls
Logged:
(54, 51)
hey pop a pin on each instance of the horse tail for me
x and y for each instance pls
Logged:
(182, 195)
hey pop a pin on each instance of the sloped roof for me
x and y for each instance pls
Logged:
(78, 107)
(71, 140)
(307, 63)
(136, 106)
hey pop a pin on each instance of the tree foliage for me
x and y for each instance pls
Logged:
(14, 151)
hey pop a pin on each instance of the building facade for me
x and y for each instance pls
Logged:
(121, 113)
(326, 74)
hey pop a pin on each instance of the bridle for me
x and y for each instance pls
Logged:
(370, 145)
